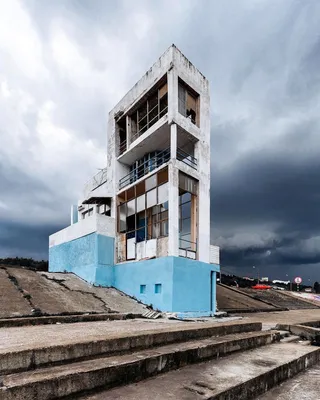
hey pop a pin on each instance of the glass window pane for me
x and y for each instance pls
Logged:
(185, 210)
(141, 205)
(185, 226)
(184, 198)
(151, 182)
(131, 207)
(163, 194)
(123, 217)
(152, 198)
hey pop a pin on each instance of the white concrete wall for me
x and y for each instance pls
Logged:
(174, 64)
(214, 254)
(97, 223)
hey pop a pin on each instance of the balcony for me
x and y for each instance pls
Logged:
(152, 161)
(144, 167)
(186, 158)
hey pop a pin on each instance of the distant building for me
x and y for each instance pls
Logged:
(281, 282)
(143, 224)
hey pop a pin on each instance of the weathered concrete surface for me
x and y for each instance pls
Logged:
(306, 332)
(30, 347)
(229, 299)
(67, 379)
(280, 299)
(240, 376)
(12, 302)
(55, 294)
(304, 386)
(64, 319)
(271, 319)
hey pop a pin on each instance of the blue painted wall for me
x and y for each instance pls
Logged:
(90, 257)
(194, 286)
(129, 277)
(168, 283)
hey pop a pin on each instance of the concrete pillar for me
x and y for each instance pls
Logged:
(173, 141)
(172, 93)
(173, 247)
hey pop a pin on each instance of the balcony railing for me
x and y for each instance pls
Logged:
(122, 147)
(149, 122)
(97, 180)
(145, 167)
(186, 158)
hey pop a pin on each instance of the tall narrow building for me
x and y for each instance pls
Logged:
(143, 224)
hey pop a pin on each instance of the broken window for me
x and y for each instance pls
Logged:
(150, 111)
(188, 103)
(144, 213)
(104, 209)
(122, 135)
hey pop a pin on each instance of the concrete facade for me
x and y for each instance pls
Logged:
(139, 226)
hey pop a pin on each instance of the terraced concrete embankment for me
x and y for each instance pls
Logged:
(242, 300)
(233, 300)
(27, 293)
(280, 299)
(111, 360)
(92, 364)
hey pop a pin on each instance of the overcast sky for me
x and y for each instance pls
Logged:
(64, 64)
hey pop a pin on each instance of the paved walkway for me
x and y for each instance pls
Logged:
(13, 339)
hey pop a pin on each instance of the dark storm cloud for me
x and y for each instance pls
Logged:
(80, 58)
(20, 240)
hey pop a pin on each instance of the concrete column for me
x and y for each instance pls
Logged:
(204, 203)
(173, 246)
(172, 94)
(173, 141)
(129, 131)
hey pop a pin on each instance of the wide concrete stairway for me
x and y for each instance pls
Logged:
(201, 360)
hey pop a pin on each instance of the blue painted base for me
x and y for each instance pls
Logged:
(89, 257)
(172, 284)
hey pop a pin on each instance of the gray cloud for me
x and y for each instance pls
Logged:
(69, 62)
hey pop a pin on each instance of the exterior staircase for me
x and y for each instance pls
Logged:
(208, 360)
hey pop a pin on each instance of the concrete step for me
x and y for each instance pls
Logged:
(303, 386)
(65, 319)
(291, 339)
(239, 376)
(105, 372)
(21, 358)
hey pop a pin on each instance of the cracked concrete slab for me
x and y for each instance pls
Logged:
(56, 294)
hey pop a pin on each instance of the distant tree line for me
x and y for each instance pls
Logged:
(25, 262)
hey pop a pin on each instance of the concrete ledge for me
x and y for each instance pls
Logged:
(23, 360)
(64, 319)
(60, 381)
(241, 376)
(307, 332)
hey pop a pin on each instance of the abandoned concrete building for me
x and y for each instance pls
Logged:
(143, 224)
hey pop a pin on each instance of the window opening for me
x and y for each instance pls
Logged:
(188, 103)
(150, 111)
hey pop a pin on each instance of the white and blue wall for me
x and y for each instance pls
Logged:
(172, 284)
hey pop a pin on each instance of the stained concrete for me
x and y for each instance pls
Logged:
(281, 299)
(229, 299)
(304, 386)
(12, 302)
(59, 381)
(56, 294)
(48, 336)
(240, 376)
